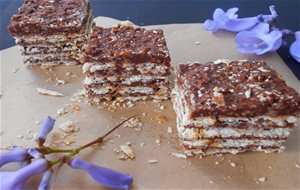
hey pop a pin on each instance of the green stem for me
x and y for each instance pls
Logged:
(73, 152)
(100, 139)
(51, 150)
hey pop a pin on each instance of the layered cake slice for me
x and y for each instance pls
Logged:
(233, 106)
(126, 63)
(51, 32)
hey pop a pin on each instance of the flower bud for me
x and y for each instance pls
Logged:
(45, 183)
(16, 180)
(17, 154)
(105, 176)
(46, 127)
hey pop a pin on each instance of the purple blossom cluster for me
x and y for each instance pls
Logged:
(256, 35)
(36, 163)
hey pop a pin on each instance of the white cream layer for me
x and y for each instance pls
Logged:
(127, 80)
(213, 151)
(143, 67)
(214, 132)
(239, 143)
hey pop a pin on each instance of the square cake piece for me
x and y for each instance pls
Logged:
(233, 106)
(51, 32)
(126, 63)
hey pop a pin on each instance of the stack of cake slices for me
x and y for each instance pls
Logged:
(51, 32)
(126, 63)
(233, 106)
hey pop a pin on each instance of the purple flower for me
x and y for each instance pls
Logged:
(105, 176)
(295, 47)
(46, 127)
(44, 185)
(229, 20)
(16, 180)
(259, 40)
(17, 154)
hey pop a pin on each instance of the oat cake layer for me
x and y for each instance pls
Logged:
(126, 62)
(233, 106)
(51, 32)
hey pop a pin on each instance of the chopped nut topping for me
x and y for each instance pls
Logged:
(248, 94)
(263, 70)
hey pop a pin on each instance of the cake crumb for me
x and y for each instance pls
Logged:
(142, 144)
(61, 111)
(197, 43)
(68, 127)
(158, 141)
(131, 123)
(15, 70)
(297, 165)
(75, 106)
(232, 163)
(162, 107)
(60, 81)
(161, 118)
(20, 136)
(152, 161)
(128, 151)
(49, 92)
(170, 130)
(179, 155)
(262, 179)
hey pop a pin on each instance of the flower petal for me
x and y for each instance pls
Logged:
(295, 47)
(237, 25)
(258, 40)
(231, 12)
(210, 25)
(274, 39)
(220, 16)
(46, 127)
(105, 176)
(17, 154)
(16, 180)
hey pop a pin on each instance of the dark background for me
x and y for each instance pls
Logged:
(151, 12)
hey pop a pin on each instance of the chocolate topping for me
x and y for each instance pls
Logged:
(49, 17)
(236, 88)
(123, 43)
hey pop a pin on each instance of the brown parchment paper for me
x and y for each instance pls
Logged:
(22, 106)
